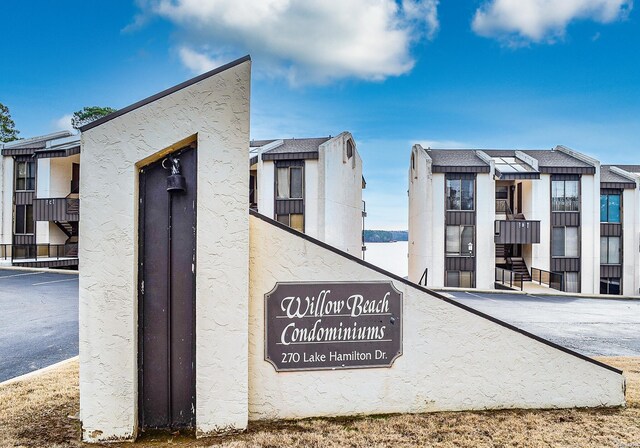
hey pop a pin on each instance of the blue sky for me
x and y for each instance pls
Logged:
(482, 74)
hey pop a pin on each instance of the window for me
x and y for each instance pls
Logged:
(610, 286)
(25, 176)
(565, 196)
(349, 149)
(459, 279)
(459, 241)
(572, 282)
(502, 192)
(24, 220)
(610, 208)
(565, 242)
(294, 220)
(609, 250)
(460, 194)
(289, 182)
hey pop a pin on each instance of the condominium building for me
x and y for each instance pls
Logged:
(313, 185)
(553, 216)
(39, 201)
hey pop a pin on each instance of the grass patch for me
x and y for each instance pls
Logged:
(42, 411)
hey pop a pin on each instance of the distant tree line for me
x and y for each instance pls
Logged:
(385, 236)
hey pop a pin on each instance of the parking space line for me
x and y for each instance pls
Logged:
(20, 275)
(55, 281)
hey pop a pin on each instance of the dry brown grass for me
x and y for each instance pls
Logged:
(36, 413)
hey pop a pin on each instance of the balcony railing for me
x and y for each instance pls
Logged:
(509, 279)
(553, 280)
(38, 251)
(519, 231)
(56, 209)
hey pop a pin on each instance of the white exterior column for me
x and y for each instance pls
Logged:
(590, 233)
(485, 251)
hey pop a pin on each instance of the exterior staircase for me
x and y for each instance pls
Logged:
(517, 265)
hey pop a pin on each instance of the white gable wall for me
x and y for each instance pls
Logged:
(452, 358)
(214, 111)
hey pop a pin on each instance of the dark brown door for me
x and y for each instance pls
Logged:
(75, 178)
(519, 190)
(166, 296)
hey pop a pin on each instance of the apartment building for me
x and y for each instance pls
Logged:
(39, 201)
(313, 185)
(478, 215)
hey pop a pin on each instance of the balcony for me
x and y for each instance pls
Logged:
(517, 231)
(56, 209)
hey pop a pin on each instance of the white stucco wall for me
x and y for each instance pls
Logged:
(485, 217)
(313, 215)
(590, 233)
(631, 242)
(61, 170)
(540, 207)
(6, 200)
(420, 216)
(266, 185)
(452, 358)
(215, 111)
(340, 195)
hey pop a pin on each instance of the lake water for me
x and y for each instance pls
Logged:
(389, 256)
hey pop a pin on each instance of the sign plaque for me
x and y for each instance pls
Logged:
(342, 325)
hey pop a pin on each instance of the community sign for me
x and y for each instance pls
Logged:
(312, 326)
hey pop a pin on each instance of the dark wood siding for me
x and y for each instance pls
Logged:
(517, 232)
(24, 197)
(286, 163)
(617, 186)
(54, 209)
(47, 263)
(291, 155)
(608, 229)
(565, 219)
(459, 264)
(288, 206)
(24, 239)
(567, 170)
(459, 169)
(457, 218)
(565, 265)
(609, 271)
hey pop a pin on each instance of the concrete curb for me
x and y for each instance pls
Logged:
(49, 270)
(35, 373)
(525, 293)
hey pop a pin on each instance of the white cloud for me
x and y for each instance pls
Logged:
(196, 61)
(305, 40)
(64, 123)
(520, 21)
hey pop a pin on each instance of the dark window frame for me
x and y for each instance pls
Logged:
(471, 273)
(608, 219)
(289, 177)
(554, 201)
(27, 226)
(28, 181)
(608, 260)
(288, 220)
(461, 253)
(449, 180)
(564, 238)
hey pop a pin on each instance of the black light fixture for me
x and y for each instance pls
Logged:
(175, 181)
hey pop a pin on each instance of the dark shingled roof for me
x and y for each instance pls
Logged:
(552, 158)
(455, 157)
(606, 175)
(295, 145)
(629, 168)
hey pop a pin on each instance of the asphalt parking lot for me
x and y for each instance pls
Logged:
(593, 327)
(38, 320)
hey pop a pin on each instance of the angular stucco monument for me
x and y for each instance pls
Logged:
(196, 313)
(211, 114)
